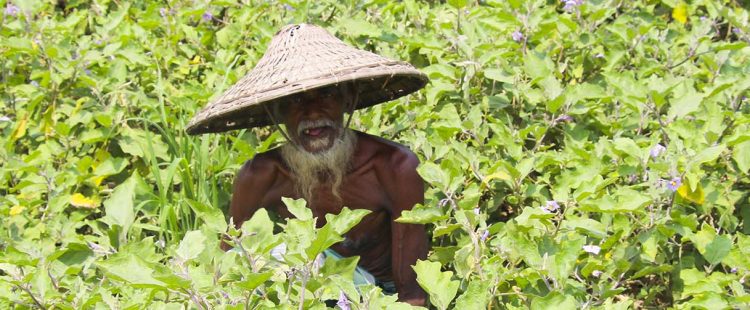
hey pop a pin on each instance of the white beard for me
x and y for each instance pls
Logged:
(312, 169)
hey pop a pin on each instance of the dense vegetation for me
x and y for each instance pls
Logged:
(579, 154)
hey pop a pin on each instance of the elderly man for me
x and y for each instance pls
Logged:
(305, 81)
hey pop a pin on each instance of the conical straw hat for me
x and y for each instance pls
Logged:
(300, 58)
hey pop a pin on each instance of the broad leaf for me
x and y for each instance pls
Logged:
(437, 284)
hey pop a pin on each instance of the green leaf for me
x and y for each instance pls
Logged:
(298, 208)
(359, 27)
(708, 154)
(119, 206)
(169, 278)
(191, 245)
(554, 300)
(324, 239)
(298, 236)
(565, 258)
(433, 174)
(685, 104)
(437, 284)
(476, 296)
(708, 301)
(742, 156)
(258, 233)
(421, 215)
(111, 166)
(212, 217)
(458, 3)
(717, 249)
(253, 280)
(538, 66)
(499, 75)
(344, 266)
(131, 269)
(628, 146)
(76, 254)
(346, 219)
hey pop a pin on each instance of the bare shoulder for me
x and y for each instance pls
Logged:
(391, 155)
(262, 168)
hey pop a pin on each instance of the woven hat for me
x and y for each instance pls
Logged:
(301, 58)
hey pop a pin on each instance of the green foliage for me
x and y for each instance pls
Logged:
(593, 155)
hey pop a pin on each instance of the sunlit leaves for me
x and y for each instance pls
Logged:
(191, 245)
(528, 102)
(439, 285)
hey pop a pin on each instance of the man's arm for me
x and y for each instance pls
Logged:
(252, 182)
(409, 241)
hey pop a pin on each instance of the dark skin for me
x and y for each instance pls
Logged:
(382, 178)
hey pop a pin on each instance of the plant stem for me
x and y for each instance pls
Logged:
(305, 276)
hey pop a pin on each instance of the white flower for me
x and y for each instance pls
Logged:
(596, 273)
(591, 248)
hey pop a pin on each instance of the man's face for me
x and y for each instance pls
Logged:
(315, 120)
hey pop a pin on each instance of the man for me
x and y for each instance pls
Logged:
(306, 80)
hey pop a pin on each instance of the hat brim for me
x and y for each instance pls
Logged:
(385, 82)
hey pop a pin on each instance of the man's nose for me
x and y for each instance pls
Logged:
(312, 109)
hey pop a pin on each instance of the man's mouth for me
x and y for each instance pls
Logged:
(317, 131)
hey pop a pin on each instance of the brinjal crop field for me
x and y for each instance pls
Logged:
(582, 154)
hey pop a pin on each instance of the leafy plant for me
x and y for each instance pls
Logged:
(579, 154)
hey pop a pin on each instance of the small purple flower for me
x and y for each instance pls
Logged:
(733, 270)
(343, 302)
(476, 211)
(593, 249)
(288, 7)
(563, 118)
(517, 36)
(11, 10)
(597, 273)
(657, 150)
(674, 183)
(600, 55)
(703, 18)
(571, 5)
(207, 16)
(163, 12)
(485, 235)
(737, 31)
(551, 206)
(87, 71)
(35, 83)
